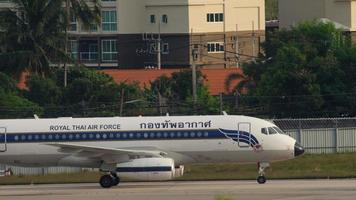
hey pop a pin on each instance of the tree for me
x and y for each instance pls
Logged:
(12, 104)
(95, 93)
(43, 91)
(177, 90)
(7, 84)
(251, 75)
(306, 71)
(35, 35)
(38, 35)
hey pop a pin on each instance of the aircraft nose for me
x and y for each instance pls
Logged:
(298, 149)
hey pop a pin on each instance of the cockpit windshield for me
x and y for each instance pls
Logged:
(271, 130)
(278, 130)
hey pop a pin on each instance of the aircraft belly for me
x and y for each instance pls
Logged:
(242, 156)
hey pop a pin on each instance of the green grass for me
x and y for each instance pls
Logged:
(305, 167)
(84, 177)
(222, 197)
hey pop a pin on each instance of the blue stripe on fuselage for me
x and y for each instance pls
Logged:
(130, 136)
(144, 169)
(112, 136)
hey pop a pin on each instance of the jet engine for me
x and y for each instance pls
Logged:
(149, 169)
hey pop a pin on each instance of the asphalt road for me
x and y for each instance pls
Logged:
(202, 190)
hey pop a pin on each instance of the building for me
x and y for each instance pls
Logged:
(341, 12)
(221, 33)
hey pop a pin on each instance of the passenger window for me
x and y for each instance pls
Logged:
(271, 131)
(264, 131)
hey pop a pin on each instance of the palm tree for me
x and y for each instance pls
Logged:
(250, 77)
(35, 32)
(32, 32)
(243, 80)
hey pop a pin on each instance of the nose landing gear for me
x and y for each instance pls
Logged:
(262, 166)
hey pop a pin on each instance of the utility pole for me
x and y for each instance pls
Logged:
(253, 38)
(194, 77)
(224, 30)
(160, 103)
(237, 47)
(221, 102)
(159, 51)
(66, 43)
(237, 99)
(122, 101)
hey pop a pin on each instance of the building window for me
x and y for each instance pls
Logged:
(164, 19)
(215, 17)
(153, 19)
(109, 20)
(73, 47)
(165, 48)
(215, 47)
(109, 50)
(73, 23)
(88, 50)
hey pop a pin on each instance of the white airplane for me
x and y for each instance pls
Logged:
(144, 148)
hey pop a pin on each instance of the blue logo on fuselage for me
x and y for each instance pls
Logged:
(241, 136)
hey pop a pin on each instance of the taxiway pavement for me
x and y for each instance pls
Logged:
(343, 189)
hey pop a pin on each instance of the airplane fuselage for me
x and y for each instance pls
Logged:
(185, 139)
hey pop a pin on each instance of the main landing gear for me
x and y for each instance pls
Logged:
(109, 180)
(262, 166)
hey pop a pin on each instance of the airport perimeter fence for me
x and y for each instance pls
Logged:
(323, 135)
(318, 136)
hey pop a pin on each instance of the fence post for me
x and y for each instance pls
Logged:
(336, 128)
(221, 102)
(299, 137)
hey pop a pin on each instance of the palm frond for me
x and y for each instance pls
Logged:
(232, 77)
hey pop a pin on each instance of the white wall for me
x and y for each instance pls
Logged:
(176, 10)
(338, 11)
(131, 14)
(292, 12)
(243, 13)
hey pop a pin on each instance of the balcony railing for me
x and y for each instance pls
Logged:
(88, 56)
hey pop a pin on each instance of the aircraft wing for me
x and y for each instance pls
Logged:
(108, 154)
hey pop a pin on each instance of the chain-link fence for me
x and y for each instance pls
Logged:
(323, 135)
(318, 123)
(20, 171)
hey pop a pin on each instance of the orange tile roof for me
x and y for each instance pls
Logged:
(215, 78)
(22, 81)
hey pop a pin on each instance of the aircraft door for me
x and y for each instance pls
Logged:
(244, 136)
(3, 147)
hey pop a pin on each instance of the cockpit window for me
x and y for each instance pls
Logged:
(278, 130)
(271, 131)
(264, 131)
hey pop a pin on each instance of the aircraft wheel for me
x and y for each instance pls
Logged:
(261, 179)
(106, 181)
(115, 181)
